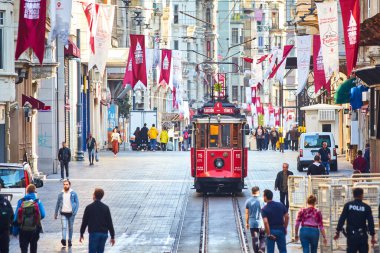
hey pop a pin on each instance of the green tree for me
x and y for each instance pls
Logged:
(124, 106)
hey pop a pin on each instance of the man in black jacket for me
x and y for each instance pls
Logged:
(316, 168)
(144, 137)
(64, 157)
(6, 218)
(97, 217)
(359, 223)
(281, 184)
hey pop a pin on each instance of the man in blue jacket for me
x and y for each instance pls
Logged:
(27, 220)
(67, 206)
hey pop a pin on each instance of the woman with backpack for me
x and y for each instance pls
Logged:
(28, 215)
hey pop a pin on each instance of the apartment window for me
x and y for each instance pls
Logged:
(261, 41)
(188, 51)
(2, 21)
(208, 15)
(189, 89)
(176, 47)
(176, 14)
(235, 35)
(235, 60)
(235, 93)
(278, 41)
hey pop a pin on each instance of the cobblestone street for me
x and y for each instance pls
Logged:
(147, 193)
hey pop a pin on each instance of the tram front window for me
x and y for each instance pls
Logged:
(214, 136)
(226, 135)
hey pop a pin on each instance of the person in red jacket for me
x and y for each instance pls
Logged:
(360, 163)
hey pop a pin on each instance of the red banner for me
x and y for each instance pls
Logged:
(287, 49)
(318, 67)
(351, 27)
(174, 95)
(138, 60)
(166, 61)
(261, 59)
(31, 28)
(91, 12)
(259, 106)
(128, 76)
(247, 59)
(254, 96)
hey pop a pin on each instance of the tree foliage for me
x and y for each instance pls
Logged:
(124, 105)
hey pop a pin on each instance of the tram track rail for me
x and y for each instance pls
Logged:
(204, 234)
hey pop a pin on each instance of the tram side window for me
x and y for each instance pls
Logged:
(214, 136)
(235, 133)
(226, 135)
(201, 138)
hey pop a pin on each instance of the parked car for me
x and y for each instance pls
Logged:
(309, 145)
(14, 178)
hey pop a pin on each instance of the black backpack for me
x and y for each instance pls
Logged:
(6, 213)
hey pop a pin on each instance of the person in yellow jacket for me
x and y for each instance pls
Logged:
(164, 138)
(153, 134)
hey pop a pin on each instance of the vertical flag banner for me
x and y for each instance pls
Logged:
(303, 60)
(281, 64)
(319, 71)
(272, 62)
(166, 62)
(253, 94)
(351, 27)
(248, 95)
(128, 76)
(31, 28)
(60, 17)
(102, 37)
(138, 61)
(328, 30)
(156, 54)
(91, 12)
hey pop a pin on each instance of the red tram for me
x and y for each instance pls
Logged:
(218, 153)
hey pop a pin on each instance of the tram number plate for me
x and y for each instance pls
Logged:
(219, 110)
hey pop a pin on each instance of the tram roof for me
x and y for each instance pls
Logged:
(215, 119)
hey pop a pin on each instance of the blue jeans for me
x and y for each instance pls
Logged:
(91, 155)
(97, 242)
(153, 143)
(309, 239)
(327, 167)
(280, 241)
(67, 222)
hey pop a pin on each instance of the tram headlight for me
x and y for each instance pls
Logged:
(219, 163)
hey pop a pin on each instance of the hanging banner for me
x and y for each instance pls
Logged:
(261, 59)
(266, 116)
(248, 95)
(156, 54)
(319, 71)
(60, 10)
(303, 60)
(128, 76)
(253, 95)
(31, 28)
(351, 28)
(91, 12)
(286, 51)
(328, 29)
(102, 38)
(277, 117)
(166, 56)
(138, 61)
(259, 106)
(272, 62)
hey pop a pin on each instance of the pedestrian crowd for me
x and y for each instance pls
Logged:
(268, 222)
(151, 139)
(272, 138)
(26, 221)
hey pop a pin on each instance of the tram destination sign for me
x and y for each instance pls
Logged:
(218, 109)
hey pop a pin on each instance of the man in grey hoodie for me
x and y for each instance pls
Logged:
(67, 206)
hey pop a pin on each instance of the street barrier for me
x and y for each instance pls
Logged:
(332, 193)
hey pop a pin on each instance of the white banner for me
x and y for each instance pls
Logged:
(281, 70)
(255, 120)
(102, 38)
(272, 62)
(266, 116)
(303, 60)
(328, 30)
(176, 75)
(248, 95)
(60, 17)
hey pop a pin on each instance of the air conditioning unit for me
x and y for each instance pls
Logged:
(326, 115)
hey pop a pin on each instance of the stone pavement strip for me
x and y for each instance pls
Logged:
(147, 193)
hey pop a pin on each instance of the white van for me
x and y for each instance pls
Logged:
(310, 143)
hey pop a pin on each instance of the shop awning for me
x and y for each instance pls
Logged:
(35, 103)
(342, 94)
(369, 75)
(72, 51)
